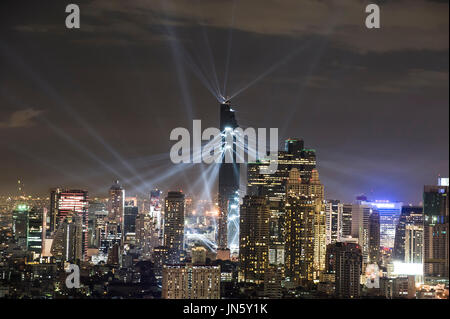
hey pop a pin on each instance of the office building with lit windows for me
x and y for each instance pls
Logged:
(436, 240)
(174, 208)
(190, 282)
(253, 239)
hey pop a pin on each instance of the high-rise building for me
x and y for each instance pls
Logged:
(273, 277)
(360, 227)
(338, 221)
(253, 239)
(34, 235)
(70, 203)
(274, 185)
(147, 235)
(190, 282)
(374, 237)
(414, 244)
(174, 225)
(198, 255)
(345, 221)
(389, 216)
(300, 210)
(348, 260)
(156, 211)
(332, 210)
(436, 240)
(129, 219)
(20, 225)
(411, 215)
(68, 242)
(229, 174)
(116, 205)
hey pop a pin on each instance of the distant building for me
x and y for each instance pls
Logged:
(191, 282)
(129, 221)
(411, 215)
(70, 203)
(116, 206)
(389, 216)
(67, 243)
(348, 263)
(436, 240)
(374, 237)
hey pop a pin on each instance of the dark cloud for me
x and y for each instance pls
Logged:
(20, 119)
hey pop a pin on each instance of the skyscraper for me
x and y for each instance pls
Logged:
(436, 241)
(116, 205)
(229, 174)
(300, 213)
(389, 216)
(68, 239)
(360, 228)
(20, 225)
(174, 225)
(374, 237)
(274, 185)
(35, 233)
(414, 244)
(129, 219)
(332, 210)
(253, 239)
(70, 203)
(411, 215)
(348, 263)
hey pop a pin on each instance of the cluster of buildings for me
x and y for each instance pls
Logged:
(282, 239)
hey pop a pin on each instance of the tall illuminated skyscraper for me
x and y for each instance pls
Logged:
(174, 225)
(116, 206)
(253, 239)
(300, 211)
(274, 185)
(436, 241)
(71, 203)
(229, 175)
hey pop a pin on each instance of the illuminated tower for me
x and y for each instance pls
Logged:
(174, 225)
(229, 174)
(116, 206)
(253, 239)
(70, 203)
(300, 211)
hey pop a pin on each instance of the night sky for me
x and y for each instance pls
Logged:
(80, 108)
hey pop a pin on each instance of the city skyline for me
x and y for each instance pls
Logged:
(85, 107)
